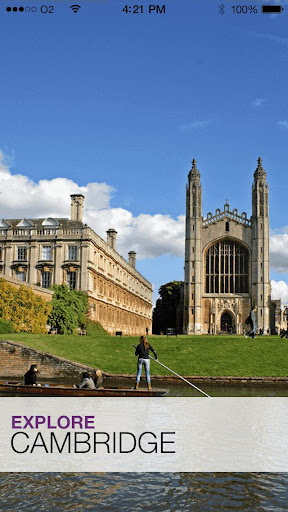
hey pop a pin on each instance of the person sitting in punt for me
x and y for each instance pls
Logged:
(142, 351)
(98, 379)
(30, 377)
(87, 381)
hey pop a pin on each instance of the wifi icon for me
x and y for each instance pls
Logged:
(75, 8)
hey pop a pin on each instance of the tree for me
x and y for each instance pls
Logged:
(167, 312)
(26, 311)
(69, 309)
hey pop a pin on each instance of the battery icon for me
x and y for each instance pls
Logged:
(272, 9)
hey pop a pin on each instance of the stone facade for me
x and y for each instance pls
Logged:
(51, 251)
(226, 262)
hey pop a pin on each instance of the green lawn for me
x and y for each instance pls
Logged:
(187, 355)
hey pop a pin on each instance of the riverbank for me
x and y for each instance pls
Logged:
(202, 356)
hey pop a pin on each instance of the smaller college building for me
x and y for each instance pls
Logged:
(51, 251)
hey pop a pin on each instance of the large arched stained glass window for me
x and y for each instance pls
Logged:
(227, 265)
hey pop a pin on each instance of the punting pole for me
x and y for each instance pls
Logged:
(182, 378)
(187, 381)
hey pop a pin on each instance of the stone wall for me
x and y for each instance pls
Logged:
(16, 359)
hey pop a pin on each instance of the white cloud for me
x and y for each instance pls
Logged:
(283, 124)
(22, 197)
(194, 124)
(279, 263)
(258, 102)
(279, 252)
(279, 290)
(149, 235)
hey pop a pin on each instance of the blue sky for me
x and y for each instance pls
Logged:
(127, 100)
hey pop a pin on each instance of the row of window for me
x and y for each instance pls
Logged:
(118, 317)
(120, 275)
(71, 281)
(107, 266)
(46, 279)
(116, 294)
(72, 253)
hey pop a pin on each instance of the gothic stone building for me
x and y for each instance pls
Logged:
(51, 251)
(226, 262)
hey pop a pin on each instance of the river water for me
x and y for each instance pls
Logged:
(164, 492)
(180, 388)
(171, 492)
(177, 387)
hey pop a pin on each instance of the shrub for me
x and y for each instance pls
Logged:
(26, 311)
(5, 327)
(69, 309)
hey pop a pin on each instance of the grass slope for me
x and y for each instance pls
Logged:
(187, 355)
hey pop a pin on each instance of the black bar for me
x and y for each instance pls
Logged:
(272, 9)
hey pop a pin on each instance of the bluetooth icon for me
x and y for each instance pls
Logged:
(221, 9)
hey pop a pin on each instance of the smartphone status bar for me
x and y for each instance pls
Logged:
(146, 7)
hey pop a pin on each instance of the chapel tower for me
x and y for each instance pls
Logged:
(193, 253)
(261, 288)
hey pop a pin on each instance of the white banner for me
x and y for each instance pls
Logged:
(144, 434)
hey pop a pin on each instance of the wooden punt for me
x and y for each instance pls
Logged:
(16, 389)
